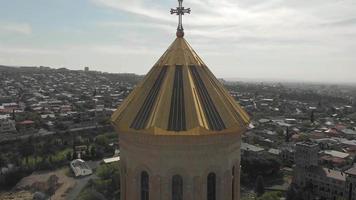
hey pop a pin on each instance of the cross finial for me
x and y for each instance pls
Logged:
(180, 11)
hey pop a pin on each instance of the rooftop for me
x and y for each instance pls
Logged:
(110, 160)
(338, 175)
(180, 95)
(351, 171)
(250, 147)
(337, 154)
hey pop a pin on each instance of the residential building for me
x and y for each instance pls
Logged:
(7, 125)
(80, 168)
(316, 181)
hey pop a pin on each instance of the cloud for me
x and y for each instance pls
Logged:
(148, 25)
(231, 18)
(17, 28)
(27, 51)
(135, 7)
(267, 37)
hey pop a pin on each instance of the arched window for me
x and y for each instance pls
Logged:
(233, 183)
(145, 187)
(177, 187)
(211, 187)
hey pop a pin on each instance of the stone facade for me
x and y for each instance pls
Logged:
(193, 158)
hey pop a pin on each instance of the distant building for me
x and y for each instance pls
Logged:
(287, 153)
(86, 69)
(306, 154)
(80, 150)
(317, 182)
(250, 149)
(26, 125)
(80, 168)
(350, 186)
(274, 152)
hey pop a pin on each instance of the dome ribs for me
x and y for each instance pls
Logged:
(177, 109)
(180, 96)
(143, 114)
(213, 117)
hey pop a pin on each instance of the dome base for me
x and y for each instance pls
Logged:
(180, 34)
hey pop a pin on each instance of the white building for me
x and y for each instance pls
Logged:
(80, 168)
(111, 160)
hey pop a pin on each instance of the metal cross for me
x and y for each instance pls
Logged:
(180, 11)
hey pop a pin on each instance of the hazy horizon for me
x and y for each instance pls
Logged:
(229, 79)
(294, 40)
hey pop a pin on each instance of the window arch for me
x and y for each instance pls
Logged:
(177, 187)
(145, 186)
(233, 183)
(211, 186)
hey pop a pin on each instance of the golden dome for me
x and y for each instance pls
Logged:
(180, 96)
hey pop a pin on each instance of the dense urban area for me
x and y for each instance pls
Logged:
(56, 139)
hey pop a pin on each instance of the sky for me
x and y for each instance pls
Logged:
(295, 40)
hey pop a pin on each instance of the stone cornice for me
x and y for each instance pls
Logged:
(182, 141)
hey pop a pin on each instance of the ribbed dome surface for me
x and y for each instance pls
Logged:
(180, 96)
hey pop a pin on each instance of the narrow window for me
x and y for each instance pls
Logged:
(211, 187)
(145, 186)
(177, 187)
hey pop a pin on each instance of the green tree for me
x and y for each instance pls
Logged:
(26, 149)
(115, 184)
(61, 126)
(87, 152)
(259, 188)
(312, 117)
(280, 131)
(270, 196)
(102, 140)
(2, 161)
(287, 134)
(93, 152)
(255, 165)
(90, 194)
(75, 155)
(293, 193)
(69, 155)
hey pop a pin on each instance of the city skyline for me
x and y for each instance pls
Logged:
(270, 39)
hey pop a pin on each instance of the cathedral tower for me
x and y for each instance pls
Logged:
(180, 131)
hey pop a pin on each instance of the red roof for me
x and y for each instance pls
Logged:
(332, 159)
(26, 122)
(340, 127)
(6, 110)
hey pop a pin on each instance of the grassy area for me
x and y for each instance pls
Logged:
(106, 185)
(33, 161)
(265, 196)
